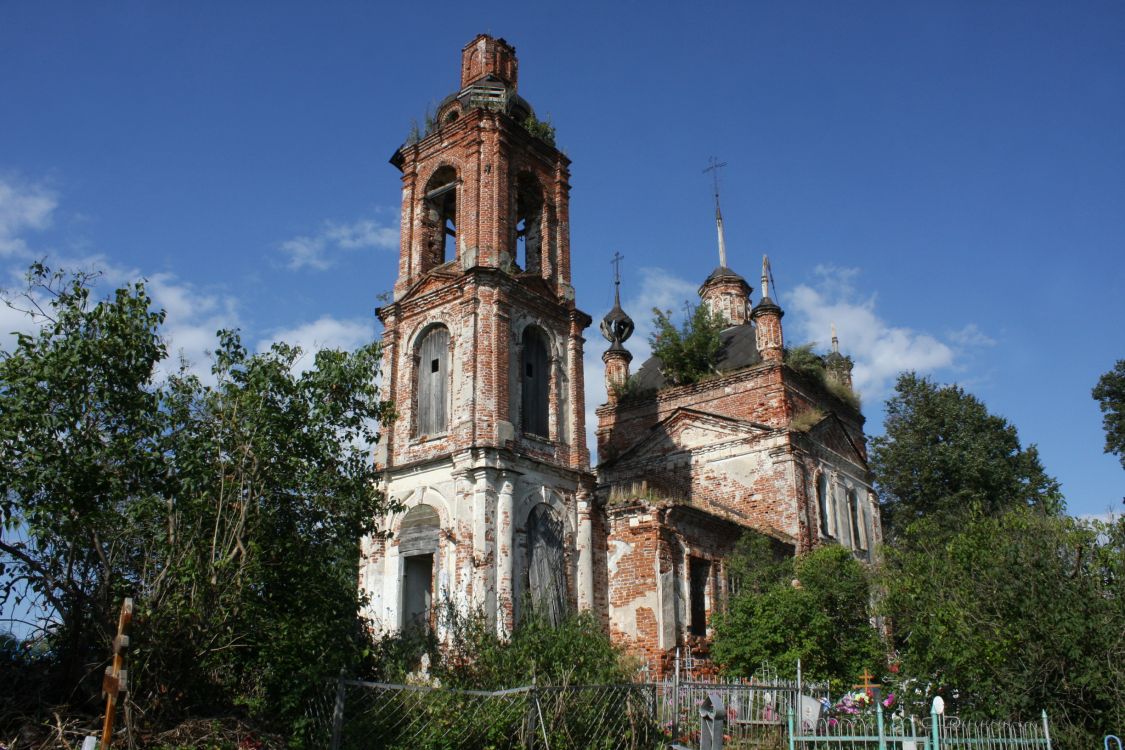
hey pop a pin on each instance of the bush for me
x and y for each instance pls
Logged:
(823, 620)
(691, 352)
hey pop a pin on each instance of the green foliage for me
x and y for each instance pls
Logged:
(1110, 395)
(1013, 614)
(944, 455)
(577, 651)
(689, 353)
(806, 420)
(805, 361)
(631, 390)
(231, 513)
(541, 129)
(79, 424)
(813, 366)
(824, 621)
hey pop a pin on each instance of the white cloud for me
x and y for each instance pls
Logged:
(317, 251)
(23, 207)
(880, 350)
(969, 336)
(324, 333)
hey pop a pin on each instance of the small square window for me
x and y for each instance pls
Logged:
(434, 365)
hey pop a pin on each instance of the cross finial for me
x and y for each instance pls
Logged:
(715, 166)
(616, 263)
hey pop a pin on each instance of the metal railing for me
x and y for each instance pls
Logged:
(908, 733)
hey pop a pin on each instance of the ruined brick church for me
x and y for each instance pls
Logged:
(483, 351)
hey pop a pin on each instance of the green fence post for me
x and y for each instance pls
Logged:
(934, 729)
(879, 724)
(1046, 730)
(792, 740)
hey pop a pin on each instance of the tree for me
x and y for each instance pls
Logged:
(1110, 395)
(824, 620)
(944, 455)
(232, 513)
(79, 428)
(689, 353)
(1014, 614)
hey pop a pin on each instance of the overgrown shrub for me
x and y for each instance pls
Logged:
(823, 619)
(812, 365)
(691, 352)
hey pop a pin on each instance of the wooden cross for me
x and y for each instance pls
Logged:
(616, 263)
(867, 685)
(115, 682)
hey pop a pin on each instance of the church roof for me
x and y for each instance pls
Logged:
(722, 272)
(738, 348)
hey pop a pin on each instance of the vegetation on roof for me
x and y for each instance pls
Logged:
(807, 362)
(688, 353)
(541, 129)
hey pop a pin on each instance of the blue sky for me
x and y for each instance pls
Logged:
(944, 181)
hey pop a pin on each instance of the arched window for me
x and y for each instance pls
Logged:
(439, 218)
(535, 376)
(529, 223)
(822, 504)
(853, 512)
(417, 544)
(433, 381)
(546, 564)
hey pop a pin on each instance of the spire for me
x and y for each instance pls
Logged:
(714, 170)
(839, 366)
(617, 326)
(767, 316)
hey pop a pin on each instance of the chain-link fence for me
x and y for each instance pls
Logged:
(377, 716)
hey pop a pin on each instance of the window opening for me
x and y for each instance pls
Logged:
(433, 382)
(528, 223)
(699, 571)
(854, 510)
(441, 216)
(822, 504)
(535, 401)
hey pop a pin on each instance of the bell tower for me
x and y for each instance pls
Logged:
(483, 360)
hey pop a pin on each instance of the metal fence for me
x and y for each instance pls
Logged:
(377, 716)
(938, 732)
(762, 714)
(755, 709)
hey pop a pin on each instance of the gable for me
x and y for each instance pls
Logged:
(688, 430)
(830, 434)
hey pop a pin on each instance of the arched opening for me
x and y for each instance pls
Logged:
(853, 514)
(432, 366)
(439, 218)
(417, 544)
(546, 564)
(535, 376)
(528, 223)
(822, 505)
